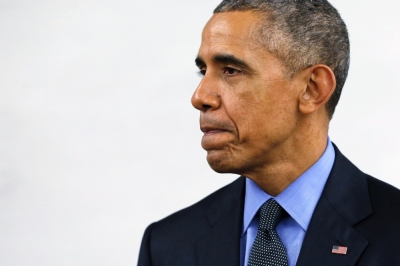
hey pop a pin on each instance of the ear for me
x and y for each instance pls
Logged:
(320, 84)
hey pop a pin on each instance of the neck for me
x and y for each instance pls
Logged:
(290, 160)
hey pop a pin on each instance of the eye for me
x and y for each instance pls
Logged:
(231, 71)
(201, 72)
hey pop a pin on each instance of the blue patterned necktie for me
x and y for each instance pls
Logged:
(268, 249)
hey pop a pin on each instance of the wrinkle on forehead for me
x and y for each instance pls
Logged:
(237, 26)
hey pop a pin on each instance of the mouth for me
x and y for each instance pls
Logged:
(211, 130)
(216, 136)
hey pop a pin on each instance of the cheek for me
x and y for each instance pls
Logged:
(265, 117)
(257, 108)
(249, 114)
(240, 107)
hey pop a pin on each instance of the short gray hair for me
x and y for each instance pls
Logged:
(302, 33)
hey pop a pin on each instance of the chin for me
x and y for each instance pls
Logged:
(222, 164)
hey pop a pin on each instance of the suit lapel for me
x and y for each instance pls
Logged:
(221, 245)
(344, 203)
(327, 229)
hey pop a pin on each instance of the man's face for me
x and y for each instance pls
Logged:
(248, 108)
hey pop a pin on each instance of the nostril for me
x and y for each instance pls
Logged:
(206, 106)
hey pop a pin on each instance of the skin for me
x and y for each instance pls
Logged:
(257, 122)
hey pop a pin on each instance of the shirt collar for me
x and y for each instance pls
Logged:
(299, 198)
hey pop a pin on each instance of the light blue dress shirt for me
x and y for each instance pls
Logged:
(298, 199)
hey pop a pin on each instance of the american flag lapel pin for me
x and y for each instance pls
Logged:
(339, 250)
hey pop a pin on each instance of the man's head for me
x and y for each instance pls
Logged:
(261, 103)
(301, 33)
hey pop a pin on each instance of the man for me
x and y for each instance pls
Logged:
(272, 73)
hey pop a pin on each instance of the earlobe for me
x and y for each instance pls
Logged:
(321, 83)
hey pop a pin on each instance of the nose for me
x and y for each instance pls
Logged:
(206, 97)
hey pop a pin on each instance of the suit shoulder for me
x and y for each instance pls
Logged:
(385, 217)
(171, 240)
(382, 227)
(195, 219)
(222, 197)
(383, 195)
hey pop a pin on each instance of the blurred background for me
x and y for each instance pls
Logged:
(98, 137)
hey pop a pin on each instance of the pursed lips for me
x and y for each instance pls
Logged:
(211, 130)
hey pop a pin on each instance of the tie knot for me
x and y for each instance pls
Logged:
(270, 215)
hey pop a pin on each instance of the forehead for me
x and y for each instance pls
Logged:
(237, 34)
(237, 30)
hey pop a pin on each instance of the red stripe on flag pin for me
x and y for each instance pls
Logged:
(339, 250)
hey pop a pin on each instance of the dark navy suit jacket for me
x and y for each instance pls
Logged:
(355, 210)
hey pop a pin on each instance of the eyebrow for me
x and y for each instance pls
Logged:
(199, 62)
(225, 59)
